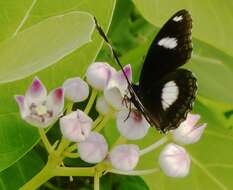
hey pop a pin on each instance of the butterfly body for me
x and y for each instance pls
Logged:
(165, 93)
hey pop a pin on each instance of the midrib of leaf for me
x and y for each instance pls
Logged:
(228, 166)
(27, 14)
(225, 137)
(208, 173)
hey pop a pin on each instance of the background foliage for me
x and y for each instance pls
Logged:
(133, 26)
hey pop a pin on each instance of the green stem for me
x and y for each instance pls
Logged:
(96, 180)
(45, 140)
(69, 107)
(102, 123)
(97, 121)
(74, 171)
(134, 172)
(70, 154)
(44, 175)
(71, 148)
(91, 101)
(63, 144)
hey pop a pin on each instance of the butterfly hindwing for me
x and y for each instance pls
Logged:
(168, 101)
(170, 49)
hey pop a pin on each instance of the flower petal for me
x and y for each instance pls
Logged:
(76, 89)
(36, 93)
(124, 157)
(102, 106)
(22, 107)
(174, 161)
(135, 127)
(94, 149)
(98, 74)
(114, 97)
(55, 101)
(76, 126)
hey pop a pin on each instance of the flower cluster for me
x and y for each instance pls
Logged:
(42, 110)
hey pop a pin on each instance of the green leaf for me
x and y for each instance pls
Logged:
(121, 182)
(210, 18)
(16, 137)
(19, 173)
(44, 44)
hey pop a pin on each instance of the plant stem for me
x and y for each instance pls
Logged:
(71, 148)
(69, 107)
(96, 180)
(134, 172)
(91, 101)
(154, 146)
(44, 175)
(45, 140)
(102, 123)
(97, 121)
(74, 171)
(63, 144)
(70, 154)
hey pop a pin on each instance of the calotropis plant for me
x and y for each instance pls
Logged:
(81, 134)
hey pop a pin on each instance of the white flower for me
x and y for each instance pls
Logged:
(124, 157)
(132, 128)
(174, 161)
(94, 149)
(98, 74)
(102, 106)
(76, 89)
(76, 126)
(188, 132)
(37, 108)
(117, 88)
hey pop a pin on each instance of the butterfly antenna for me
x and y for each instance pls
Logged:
(103, 35)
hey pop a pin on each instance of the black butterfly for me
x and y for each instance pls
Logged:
(165, 93)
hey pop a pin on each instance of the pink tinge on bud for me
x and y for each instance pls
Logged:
(174, 161)
(98, 74)
(58, 94)
(124, 157)
(134, 127)
(76, 89)
(188, 132)
(93, 149)
(76, 126)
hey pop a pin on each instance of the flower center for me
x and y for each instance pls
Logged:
(41, 109)
(137, 116)
(40, 112)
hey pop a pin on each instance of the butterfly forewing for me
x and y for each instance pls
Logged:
(170, 49)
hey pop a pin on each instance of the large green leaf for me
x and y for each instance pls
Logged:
(21, 171)
(16, 137)
(43, 44)
(212, 23)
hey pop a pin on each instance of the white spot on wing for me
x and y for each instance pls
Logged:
(168, 42)
(170, 94)
(178, 18)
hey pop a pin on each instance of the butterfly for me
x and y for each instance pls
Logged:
(166, 92)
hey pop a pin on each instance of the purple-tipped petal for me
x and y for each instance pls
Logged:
(187, 132)
(21, 103)
(55, 101)
(76, 89)
(133, 128)
(76, 126)
(36, 93)
(124, 157)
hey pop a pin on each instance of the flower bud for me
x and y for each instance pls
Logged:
(187, 132)
(102, 106)
(76, 126)
(133, 128)
(98, 74)
(124, 157)
(174, 161)
(76, 89)
(117, 88)
(94, 149)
